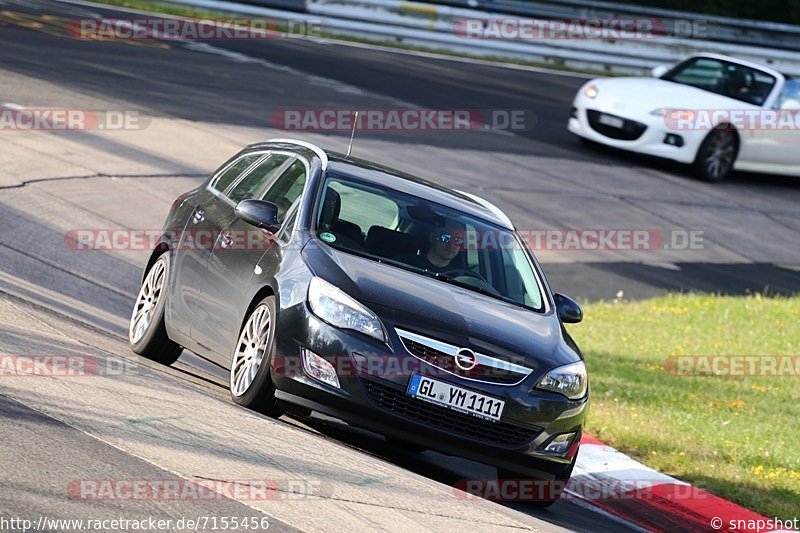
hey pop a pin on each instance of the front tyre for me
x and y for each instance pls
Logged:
(250, 382)
(717, 154)
(147, 334)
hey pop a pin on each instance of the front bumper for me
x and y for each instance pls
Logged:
(373, 396)
(652, 141)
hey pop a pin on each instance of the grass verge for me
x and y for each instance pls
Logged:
(737, 437)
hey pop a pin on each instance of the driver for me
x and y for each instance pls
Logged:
(445, 244)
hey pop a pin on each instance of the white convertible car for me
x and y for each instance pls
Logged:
(714, 112)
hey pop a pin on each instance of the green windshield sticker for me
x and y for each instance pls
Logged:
(327, 237)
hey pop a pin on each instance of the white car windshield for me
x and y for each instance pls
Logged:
(723, 77)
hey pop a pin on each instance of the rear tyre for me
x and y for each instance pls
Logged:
(250, 382)
(551, 492)
(717, 154)
(147, 334)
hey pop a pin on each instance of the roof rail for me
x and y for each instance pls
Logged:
(316, 149)
(490, 207)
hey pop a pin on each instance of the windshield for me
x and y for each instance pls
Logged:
(418, 235)
(722, 77)
(790, 95)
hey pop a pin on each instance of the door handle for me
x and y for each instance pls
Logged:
(199, 215)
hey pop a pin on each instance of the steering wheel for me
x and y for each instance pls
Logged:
(460, 272)
(478, 279)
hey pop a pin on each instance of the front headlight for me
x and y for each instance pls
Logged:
(685, 114)
(338, 309)
(569, 380)
(591, 91)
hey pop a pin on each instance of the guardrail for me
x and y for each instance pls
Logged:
(434, 26)
(759, 33)
(723, 29)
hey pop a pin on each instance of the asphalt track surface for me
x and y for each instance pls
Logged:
(200, 102)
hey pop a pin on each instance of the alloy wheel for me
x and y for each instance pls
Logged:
(720, 153)
(251, 349)
(146, 302)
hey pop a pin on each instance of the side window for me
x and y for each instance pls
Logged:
(287, 188)
(234, 171)
(288, 227)
(364, 208)
(252, 182)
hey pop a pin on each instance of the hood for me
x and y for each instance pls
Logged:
(444, 312)
(640, 96)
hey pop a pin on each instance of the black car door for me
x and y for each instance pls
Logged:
(237, 250)
(197, 241)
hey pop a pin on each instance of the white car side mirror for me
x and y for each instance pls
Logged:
(659, 71)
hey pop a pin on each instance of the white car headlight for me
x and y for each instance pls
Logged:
(570, 380)
(338, 309)
(591, 91)
(686, 114)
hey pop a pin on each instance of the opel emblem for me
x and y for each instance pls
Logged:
(466, 359)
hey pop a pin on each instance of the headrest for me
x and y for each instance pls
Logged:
(423, 213)
(389, 243)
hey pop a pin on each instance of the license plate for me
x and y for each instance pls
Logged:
(456, 398)
(610, 120)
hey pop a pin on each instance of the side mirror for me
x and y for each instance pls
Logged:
(259, 213)
(659, 71)
(568, 309)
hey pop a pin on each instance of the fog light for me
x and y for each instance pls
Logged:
(319, 369)
(559, 445)
(673, 140)
(573, 113)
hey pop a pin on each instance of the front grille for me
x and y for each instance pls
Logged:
(447, 363)
(442, 356)
(398, 402)
(630, 130)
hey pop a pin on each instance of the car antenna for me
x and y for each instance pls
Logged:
(352, 134)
